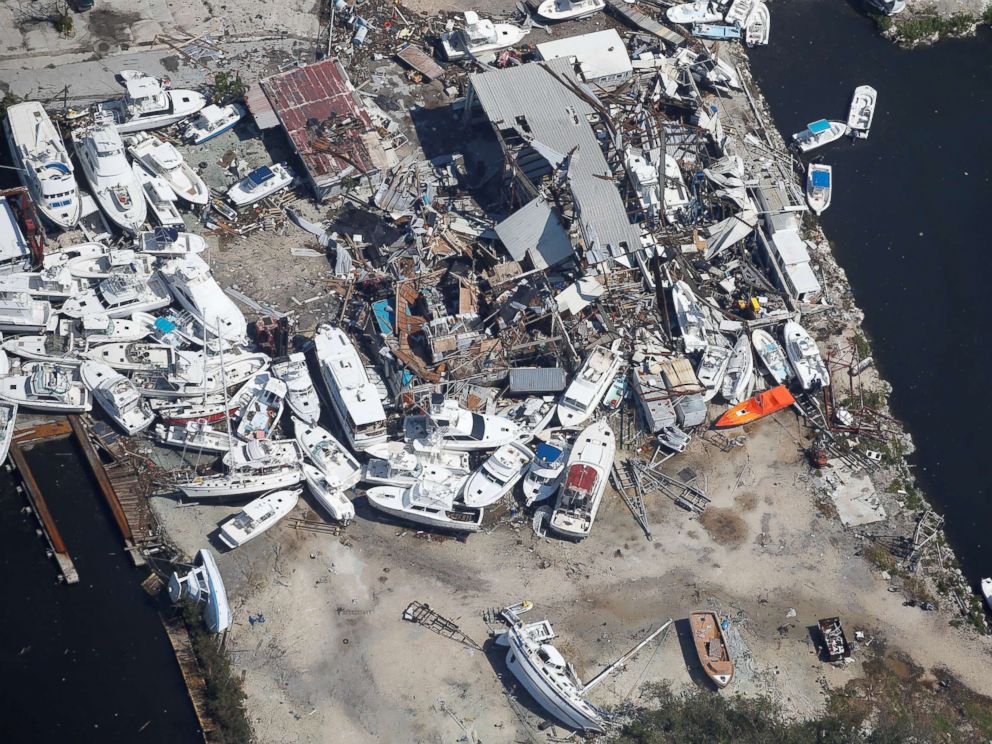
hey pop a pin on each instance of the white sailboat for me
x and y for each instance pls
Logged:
(497, 476)
(262, 453)
(194, 435)
(862, 111)
(819, 133)
(204, 584)
(772, 356)
(328, 495)
(260, 404)
(260, 183)
(329, 456)
(738, 381)
(42, 163)
(805, 357)
(588, 387)
(21, 313)
(211, 121)
(119, 296)
(545, 471)
(819, 186)
(586, 476)
(480, 36)
(258, 516)
(160, 198)
(166, 162)
(301, 395)
(101, 155)
(42, 386)
(117, 396)
(148, 104)
(569, 10)
(198, 292)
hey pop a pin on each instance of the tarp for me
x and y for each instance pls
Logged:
(820, 125)
(821, 179)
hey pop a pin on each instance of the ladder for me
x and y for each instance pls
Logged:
(625, 481)
(423, 614)
(684, 494)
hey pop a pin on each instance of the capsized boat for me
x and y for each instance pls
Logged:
(260, 403)
(44, 386)
(712, 367)
(738, 380)
(195, 288)
(711, 647)
(260, 183)
(328, 495)
(819, 186)
(169, 242)
(42, 163)
(149, 104)
(194, 435)
(480, 36)
(301, 395)
(21, 313)
(772, 356)
(759, 26)
(586, 476)
(204, 584)
(117, 396)
(545, 471)
(819, 133)
(329, 456)
(160, 198)
(430, 503)
(862, 111)
(805, 357)
(763, 404)
(690, 316)
(165, 161)
(258, 516)
(8, 418)
(118, 296)
(569, 10)
(589, 385)
(211, 121)
(497, 476)
(701, 11)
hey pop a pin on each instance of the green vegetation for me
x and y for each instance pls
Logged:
(880, 557)
(63, 21)
(8, 100)
(923, 25)
(862, 345)
(884, 23)
(228, 88)
(225, 697)
(987, 16)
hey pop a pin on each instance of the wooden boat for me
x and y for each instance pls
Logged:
(761, 405)
(712, 647)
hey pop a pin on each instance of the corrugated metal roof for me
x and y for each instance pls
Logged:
(537, 380)
(535, 231)
(260, 108)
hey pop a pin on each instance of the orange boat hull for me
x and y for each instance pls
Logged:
(757, 407)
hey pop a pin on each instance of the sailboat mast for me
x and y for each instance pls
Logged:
(223, 382)
(603, 674)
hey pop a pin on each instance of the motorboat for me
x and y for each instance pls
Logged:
(738, 380)
(712, 368)
(862, 111)
(260, 404)
(110, 262)
(160, 198)
(194, 435)
(148, 104)
(169, 242)
(100, 151)
(586, 475)
(819, 133)
(480, 36)
(675, 197)
(329, 496)
(119, 296)
(352, 395)
(701, 11)
(987, 592)
(888, 7)
(211, 121)
(42, 163)
(207, 409)
(132, 355)
(197, 291)
(404, 465)
(429, 503)
(237, 483)
(531, 415)
(711, 647)
(772, 356)
(54, 258)
(262, 453)
(8, 419)
(72, 337)
(329, 456)
(805, 357)
(616, 392)
(497, 476)
(759, 27)
(17, 251)
(301, 395)
(569, 10)
(258, 516)
(753, 409)
(644, 179)
(716, 31)
(739, 12)
(690, 317)
(192, 376)
(819, 186)
(452, 427)
(588, 387)
(43, 386)
(117, 396)
(165, 161)
(260, 183)
(21, 313)
(204, 585)
(55, 284)
(545, 471)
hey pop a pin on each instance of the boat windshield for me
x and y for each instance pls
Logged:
(478, 427)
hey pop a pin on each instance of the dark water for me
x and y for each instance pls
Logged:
(88, 662)
(910, 219)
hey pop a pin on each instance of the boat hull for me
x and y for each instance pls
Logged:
(753, 409)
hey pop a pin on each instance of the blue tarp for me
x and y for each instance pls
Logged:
(818, 126)
(261, 175)
(164, 325)
(547, 452)
(383, 316)
(821, 179)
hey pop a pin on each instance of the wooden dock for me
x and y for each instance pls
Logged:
(195, 684)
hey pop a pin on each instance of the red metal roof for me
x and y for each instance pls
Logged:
(322, 95)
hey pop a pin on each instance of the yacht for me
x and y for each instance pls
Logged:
(208, 409)
(480, 36)
(8, 419)
(330, 456)
(497, 476)
(165, 161)
(862, 111)
(819, 187)
(805, 357)
(644, 178)
(203, 584)
(119, 296)
(712, 368)
(194, 435)
(701, 11)
(328, 495)
(569, 10)
(260, 403)
(160, 198)
(258, 516)
(148, 104)
(403, 465)
(212, 121)
(301, 395)
(586, 475)
(195, 288)
(55, 258)
(132, 356)
(353, 398)
(587, 389)
(819, 133)
(675, 197)
(738, 381)
(192, 376)
(169, 242)
(690, 317)
(118, 396)
(43, 386)
(72, 337)
(431, 503)
(772, 356)
(531, 415)
(262, 453)
(21, 313)
(55, 284)
(452, 427)
(42, 163)
(545, 471)
(101, 154)
(110, 262)
(260, 183)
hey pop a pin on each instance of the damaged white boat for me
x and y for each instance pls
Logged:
(587, 473)
(738, 381)
(211, 121)
(190, 280)
(404, 466)
(260, 183)
(819, 186)
(569, 10)
(712, 368)
(461, 430)
(148, 104)
(430, 503)
(772, 356)
(701, 11)
(160, 198)
(329, 496)
(119, 296)
(329, 456)
(168, 242)
(862, 111)
(194, 435)
(42, 386)
(497, 476)
(301, 395)
(203, 584)
(805, 357)
(165, 161)
(258, 516)
(21, 313)
(545, 471)
(691, 317)
(588, 387)
(480, 36)
(118, 396)
(260, 403)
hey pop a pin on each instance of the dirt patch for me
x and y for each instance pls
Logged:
(111, 26)
(724, 526)
(171, 63)
(746, 501)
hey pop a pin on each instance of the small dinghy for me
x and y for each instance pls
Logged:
(819, 186)
(701, 11)
(301, 395)
(772, 356)
(169, 242)
(763, 404)
(711, 369)
(160, 198)
(165, 161)
(545, 471)
(212, 121)
(819, 133)
(43, 386)
(862, 111)
(117, 396)
(330, 456)
(805, 357)
(569, 10)
(261, 404)
(258, 516)
(738, 381)
(329, 496)
(497, 476)
(194, 435)
(260, 183)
